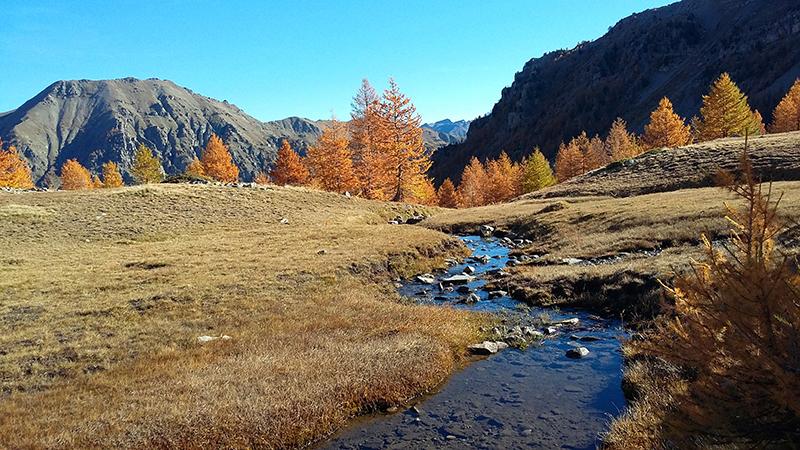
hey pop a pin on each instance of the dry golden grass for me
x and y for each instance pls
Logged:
(596, 227)
(104, 293)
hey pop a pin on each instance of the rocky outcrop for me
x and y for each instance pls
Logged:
(674, 51)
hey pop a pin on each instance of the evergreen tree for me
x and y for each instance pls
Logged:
(289, 168)
(786, 116)
(725, 112)
(474, 184)
(111, 176)
(146, 166)
(218, 162)
(536, 172)
(448, 197)
(75, 177)
(620, 144)
(401, 142)
(369, 162)
(666, 129)
(14, 171)
(330, 162)
(195, 169)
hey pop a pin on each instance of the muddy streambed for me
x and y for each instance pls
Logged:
(532, 398)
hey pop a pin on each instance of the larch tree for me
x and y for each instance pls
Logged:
(595, 155)
(504, 178)
(97, 183)
(14, 171)
(262, 178)
(786, 116)
(569, 161)
(75, 177)
(369, 161)
(474, 184)
(725, 112)
(195, 169)
(111, 176)
(621, 144)
(146, 166)
(218, 162)
(666, 129)
(536, 172)
(289, 167)
(448, 196)
(330, 162)
(422, 191)
(401, 142)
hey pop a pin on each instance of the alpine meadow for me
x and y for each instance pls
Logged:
(439, 243)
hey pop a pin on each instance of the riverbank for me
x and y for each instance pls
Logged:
(204, 316)
(556, 385)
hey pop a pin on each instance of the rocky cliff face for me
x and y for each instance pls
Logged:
(673, 51)
(98, 121)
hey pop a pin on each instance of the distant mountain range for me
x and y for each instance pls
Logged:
(673, 51)
(448, 131)
(106, 120)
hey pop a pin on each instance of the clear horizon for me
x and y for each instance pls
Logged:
(281, 59)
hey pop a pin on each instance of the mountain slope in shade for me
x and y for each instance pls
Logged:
(98, 121)
(673, 51)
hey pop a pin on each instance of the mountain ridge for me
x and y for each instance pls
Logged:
(95, 121)
(675, 51)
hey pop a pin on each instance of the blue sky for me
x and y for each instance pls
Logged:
(297, 58)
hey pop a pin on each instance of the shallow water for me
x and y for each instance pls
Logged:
(533, 398)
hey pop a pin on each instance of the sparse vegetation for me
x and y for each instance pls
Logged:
(732, 335)
(146, 166)
(106, 353)
(14, 171)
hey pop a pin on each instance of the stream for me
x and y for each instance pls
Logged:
(532, 398)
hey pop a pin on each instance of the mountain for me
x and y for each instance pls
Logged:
(449, 131)
(105, 120)
(674, 51)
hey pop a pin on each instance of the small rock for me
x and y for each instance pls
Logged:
(347, 194)
(551, 330)
(487, 230)
(573, 321)
(391, 409)
(458, 279)
(284, 221)
(204, 339)
(484, 348)
(394, 222)
(450, 437)
(532, 332)
(472, 298)
(578, 352)
(571, 261)
(426, 278)
(322, 251)
(469, 270)
(464, 289)
(497, 294)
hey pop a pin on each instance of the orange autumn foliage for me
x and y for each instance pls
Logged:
(369, 162)
(330, 162)
(474, 183)
(401, 143)
(14, 171)
(111, 176)
(75, 177)
(218, 162)
(448, 196)
(289, 167)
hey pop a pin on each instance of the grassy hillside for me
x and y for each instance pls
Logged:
(104, 294)
(774, 157)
